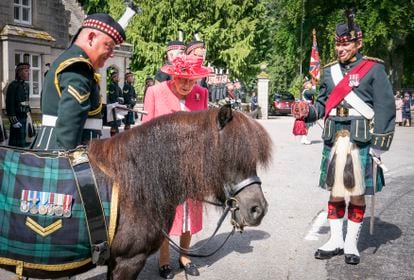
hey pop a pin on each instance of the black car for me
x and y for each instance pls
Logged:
(281, 103)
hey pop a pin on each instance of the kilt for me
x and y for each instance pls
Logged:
(17, 136)
(129, 118)
(366, 164)
(43, 241)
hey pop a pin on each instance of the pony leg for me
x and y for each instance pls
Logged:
(128, 268)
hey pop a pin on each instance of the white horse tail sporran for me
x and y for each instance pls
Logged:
(344, 175)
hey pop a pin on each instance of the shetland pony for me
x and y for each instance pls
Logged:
(160, 164)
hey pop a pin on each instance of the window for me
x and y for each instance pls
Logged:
(23, 11)
(35, 80)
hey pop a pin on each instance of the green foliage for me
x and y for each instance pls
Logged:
(243, 34)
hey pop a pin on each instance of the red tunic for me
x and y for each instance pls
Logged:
(160, 100)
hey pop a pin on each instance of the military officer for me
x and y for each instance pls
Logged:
(17, 106)
(71, 102)
(175, 48)
(130, 98)
(114, 95)
(357, 103)
(196, 48)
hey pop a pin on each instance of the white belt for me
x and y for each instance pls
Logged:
(96, 124)
(351, 112)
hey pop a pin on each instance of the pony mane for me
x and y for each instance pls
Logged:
(170, 158)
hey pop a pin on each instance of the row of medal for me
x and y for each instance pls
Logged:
(46, 203)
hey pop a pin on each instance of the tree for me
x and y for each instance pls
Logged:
(244, 34)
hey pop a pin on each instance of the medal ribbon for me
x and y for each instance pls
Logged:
(67, 202)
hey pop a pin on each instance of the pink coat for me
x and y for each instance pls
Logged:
(160, 100)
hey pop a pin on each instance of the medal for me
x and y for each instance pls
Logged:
(67, 205)
(44, 198)
(58, 208)
(33, 197)
(24, 206)
(353, 80)
(50, 205)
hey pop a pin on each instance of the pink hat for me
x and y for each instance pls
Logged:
(188, 67)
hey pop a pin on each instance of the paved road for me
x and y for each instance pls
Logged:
(282, 246)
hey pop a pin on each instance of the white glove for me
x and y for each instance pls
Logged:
(375, 152)
(17, 125)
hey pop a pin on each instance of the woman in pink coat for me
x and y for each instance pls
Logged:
(181, 93)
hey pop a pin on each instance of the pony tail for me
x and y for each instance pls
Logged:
(349, 177)
(330, 176)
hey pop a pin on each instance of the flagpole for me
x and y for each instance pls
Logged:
(301, 39)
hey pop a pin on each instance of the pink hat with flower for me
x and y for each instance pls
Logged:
(188, 67)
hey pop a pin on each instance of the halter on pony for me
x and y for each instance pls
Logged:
(231, 205)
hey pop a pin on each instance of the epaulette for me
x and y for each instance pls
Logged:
(331, 63)
(373, 59)
(66, 63)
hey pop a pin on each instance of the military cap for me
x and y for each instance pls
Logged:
(113, 74)
(106, 24)
(196, 43)
(343, 34)
(22, 65)
(175, 45)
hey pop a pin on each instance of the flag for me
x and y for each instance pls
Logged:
(314, 67)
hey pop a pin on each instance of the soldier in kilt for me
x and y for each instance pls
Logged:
(17, 106)
(72, 108)
(114, 95)
(357, 103)
(130, 99)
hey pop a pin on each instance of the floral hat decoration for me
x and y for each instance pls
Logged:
(188, 67)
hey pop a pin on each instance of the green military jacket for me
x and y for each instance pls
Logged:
(114, 91)
(130, 96)
(71, 102)
(17, 101)
(375, 90)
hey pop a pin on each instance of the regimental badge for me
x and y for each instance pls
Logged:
(354, 80)
(24, 205)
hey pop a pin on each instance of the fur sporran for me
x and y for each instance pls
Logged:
(344, 175)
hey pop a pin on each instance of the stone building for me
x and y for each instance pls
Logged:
(37, 31)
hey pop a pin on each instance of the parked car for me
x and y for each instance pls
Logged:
(281, 103)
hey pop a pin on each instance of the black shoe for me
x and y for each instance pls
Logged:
(190, 269)
(352, 259)
(166, 272)
(324, 255)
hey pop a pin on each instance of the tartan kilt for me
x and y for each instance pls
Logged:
(17, 136)
(129, 118)
(366, 164)
(44, 242)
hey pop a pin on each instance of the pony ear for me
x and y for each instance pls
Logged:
(225, 116)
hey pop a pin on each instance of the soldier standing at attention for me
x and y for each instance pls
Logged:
(71, 102)
(17, 106)
(357, 103)
(130, 99)
(114, 95)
